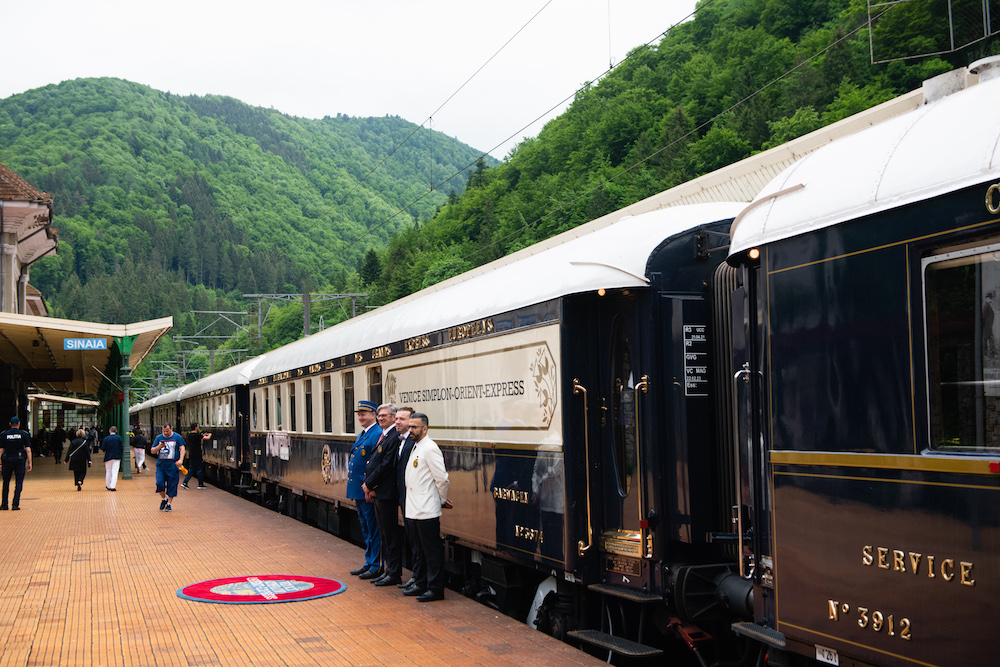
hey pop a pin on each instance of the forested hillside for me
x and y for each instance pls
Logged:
(166, 204)
(715, 90)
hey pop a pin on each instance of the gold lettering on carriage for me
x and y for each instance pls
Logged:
(471, 330)
(934, 567)
(512, 495)
(530, 534)
(418, 343)
(993, 198)
(381, 352)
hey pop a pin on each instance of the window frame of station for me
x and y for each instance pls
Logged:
(316, 412)
(959, 254)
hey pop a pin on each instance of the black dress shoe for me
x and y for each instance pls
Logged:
(378, 578)
(408, 583)
(430, 596)
(360, 570)
(414, 591)
(370, 574)
(387, 581)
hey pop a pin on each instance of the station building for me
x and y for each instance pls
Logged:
(70, 367)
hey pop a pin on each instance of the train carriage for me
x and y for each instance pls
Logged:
(220, 405)
(569, 389)
(790, 456)
(869, 397)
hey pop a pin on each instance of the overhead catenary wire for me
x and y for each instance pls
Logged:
(558, 104)
(622, 172)
(442, 105)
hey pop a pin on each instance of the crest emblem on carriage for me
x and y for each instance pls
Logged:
(544, 377)
(390, 386)
(326, 465)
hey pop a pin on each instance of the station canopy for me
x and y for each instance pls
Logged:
(55, 355)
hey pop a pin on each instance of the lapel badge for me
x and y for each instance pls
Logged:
(415, 461)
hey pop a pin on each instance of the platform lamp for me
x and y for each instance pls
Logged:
(125, 344)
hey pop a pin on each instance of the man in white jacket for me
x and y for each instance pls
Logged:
(426, 495)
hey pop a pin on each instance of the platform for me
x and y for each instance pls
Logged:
(91, 578)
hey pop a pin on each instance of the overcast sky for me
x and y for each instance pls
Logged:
(315, 58)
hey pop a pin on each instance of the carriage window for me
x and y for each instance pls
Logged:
(375, 385)
(253, 412)
(622, 406)
(267, 409)
(327, 405)
(308, 389)
(292, 421)
(348, 379)
(961, 304)
(277, 401)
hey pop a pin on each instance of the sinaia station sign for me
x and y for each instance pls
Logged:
(85, 343)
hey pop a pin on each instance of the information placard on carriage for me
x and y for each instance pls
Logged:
(695, 360)
(502, 389)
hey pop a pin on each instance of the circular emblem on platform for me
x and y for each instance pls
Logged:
(261, 589)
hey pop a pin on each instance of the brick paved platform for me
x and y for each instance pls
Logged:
(90, 578)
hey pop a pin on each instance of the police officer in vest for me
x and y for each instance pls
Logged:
(16, 455)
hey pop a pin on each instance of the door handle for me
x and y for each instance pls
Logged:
(647, 547)
(581, 549)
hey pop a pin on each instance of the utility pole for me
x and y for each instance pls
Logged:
(307, 299)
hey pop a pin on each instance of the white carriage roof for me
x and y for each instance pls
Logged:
(239, 374)
(947, 144)
(581, 260)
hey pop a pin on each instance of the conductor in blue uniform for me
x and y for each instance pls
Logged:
(361, 452)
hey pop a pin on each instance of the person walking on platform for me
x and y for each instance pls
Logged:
(138, 442)
(363, 449)
(380, 488)
(114, 449)
(57, 437)
(16, 457)
(92, 440)
(78, 458)
(169, 449)
(426, 495)
(196, 462)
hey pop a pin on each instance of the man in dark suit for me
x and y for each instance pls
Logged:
(380, 489)
(402, 455)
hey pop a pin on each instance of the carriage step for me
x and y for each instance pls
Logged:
(761, 633)
(630, 594)
(616, 644)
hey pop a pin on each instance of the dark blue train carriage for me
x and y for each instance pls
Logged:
(868, 403)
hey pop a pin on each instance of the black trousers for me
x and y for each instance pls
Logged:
(79, 475)
(15, 467)
(197, 469)
(431, 547)
(392, 536)
(416, 562)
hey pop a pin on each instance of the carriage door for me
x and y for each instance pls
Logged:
(624, 538)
